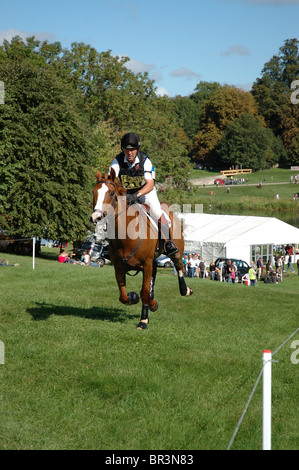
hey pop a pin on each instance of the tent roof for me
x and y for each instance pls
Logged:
(244, 230)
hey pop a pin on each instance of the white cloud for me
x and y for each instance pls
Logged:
(236, 49)
(8, 34)
(139, 67)
(185, 73)
(160, 91)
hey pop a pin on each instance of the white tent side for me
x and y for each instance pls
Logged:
(232, 236)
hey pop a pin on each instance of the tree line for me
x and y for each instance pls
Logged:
(65, 111)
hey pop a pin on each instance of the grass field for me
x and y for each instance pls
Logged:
(78, 375)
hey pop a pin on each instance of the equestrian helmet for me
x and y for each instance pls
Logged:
(130, 141)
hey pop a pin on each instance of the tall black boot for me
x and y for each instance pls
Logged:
(170, 247)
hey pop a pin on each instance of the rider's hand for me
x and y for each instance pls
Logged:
(132, 198)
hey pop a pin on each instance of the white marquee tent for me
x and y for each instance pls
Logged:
(232, 236)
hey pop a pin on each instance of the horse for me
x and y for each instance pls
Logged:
(135, 242)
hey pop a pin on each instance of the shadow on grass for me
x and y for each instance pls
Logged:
(43, 311)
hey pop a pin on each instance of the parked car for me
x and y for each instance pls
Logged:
(164, 262)
(97, 252)
(242, 267)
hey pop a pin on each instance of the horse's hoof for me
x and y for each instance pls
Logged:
(133, 298)
(155, 307)
(190, 291)
(141, 325)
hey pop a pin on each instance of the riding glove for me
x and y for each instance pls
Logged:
(132, 198)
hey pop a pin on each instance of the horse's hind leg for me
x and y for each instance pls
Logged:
(153, 305)
(184, 290)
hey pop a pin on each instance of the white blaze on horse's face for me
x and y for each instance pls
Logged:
(98, 209)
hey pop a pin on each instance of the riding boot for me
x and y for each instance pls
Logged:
(170, 247)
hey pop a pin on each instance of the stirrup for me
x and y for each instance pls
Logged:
(170, 248)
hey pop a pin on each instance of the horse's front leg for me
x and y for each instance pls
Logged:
(127, 299)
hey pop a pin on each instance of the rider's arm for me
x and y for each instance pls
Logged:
(149, 181)
(147, 188)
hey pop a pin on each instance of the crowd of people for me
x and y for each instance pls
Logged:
(195, 266)
(85, 260)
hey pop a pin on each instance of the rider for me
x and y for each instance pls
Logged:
(137, 175)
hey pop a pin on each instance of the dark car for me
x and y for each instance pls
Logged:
(242, 267)
(97, 252)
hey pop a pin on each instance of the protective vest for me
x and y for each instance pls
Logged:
(252, 274)
(131, 178)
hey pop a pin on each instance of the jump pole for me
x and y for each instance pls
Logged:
(267, 373)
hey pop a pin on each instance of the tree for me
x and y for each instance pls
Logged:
(246, 142)
(226, 104)
(46, 150)
(273, 94)
(188, 112)
(117, 101)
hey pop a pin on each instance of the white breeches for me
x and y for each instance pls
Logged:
(151, 199)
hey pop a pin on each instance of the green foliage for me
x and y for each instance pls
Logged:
(273, 94)
(226, 104)
(246, 142)
(45, 153)
(64, 114)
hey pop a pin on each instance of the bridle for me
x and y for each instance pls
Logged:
(115, 190)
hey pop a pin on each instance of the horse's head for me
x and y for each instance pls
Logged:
(105, 194)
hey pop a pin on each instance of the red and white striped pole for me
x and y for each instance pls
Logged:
(267, 373)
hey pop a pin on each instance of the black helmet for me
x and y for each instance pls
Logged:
(130, 141)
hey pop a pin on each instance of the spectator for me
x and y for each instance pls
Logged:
(6, 263)
(202, 267)
(63, 257)
(185, 266)
(197, 262)
(252, 274)
(191, 265)
(290, 264)
(260, 267)
(233, 272)
(217, 276)
(212, 270)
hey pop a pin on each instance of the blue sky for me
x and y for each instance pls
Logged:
(178, 42)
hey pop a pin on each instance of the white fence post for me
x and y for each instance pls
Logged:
(267, 373)
(33, 253)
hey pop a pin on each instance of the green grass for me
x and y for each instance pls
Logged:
(243, 197)
(79, 375)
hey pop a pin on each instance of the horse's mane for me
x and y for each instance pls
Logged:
(121, 191)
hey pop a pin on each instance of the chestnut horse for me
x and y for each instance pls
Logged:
(134, 242)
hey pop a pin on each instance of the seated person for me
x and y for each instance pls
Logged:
(6, 263)
(63, 257)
